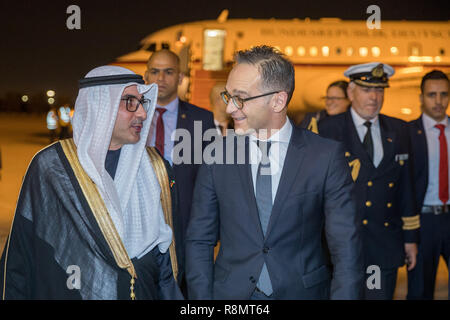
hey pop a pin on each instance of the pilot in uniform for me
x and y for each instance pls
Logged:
(377, 148)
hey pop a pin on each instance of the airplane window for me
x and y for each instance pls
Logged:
(349, 51)
(152, 47)
(288, 50)
(313, 51)
(442, 51)
(363, 52)
(394, 50)
(301, 51)
(165, 45)
(415, 49)
(376, 51)
(338, 50)
(325, 51)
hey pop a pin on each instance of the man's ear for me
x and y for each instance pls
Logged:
(350, 92)
(146, 77)
(280, 101)
(180, 78)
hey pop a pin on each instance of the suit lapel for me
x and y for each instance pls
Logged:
(291, 168)
(388, 140)
(419, 147)
(182, 117)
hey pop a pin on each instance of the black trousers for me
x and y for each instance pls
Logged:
(434, 242)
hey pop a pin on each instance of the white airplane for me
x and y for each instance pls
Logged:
(321, 51)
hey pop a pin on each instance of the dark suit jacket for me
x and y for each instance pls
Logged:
(319, 115)
(313, 198)
(384, 194)
(185, 173)
(419, 159)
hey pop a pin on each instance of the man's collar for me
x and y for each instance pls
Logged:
(172, 106)
(359, 121)
(429, 122)
(282, 135)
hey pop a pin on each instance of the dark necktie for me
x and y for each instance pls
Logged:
(264, 203)
(443, 165)
(159, 143)
(368, 142)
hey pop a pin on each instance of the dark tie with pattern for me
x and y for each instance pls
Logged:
(264, 203)
(368, 142)
(159, 143)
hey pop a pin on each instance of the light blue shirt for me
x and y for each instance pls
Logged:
(376, 135)
(277, 155)
(170, 118)
(433, 145)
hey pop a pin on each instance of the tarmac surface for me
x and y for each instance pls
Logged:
(22, 136)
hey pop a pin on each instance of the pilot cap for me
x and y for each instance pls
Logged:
(374, 74)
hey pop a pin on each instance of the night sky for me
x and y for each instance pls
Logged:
(38, 52)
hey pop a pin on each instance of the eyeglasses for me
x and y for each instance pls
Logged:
(132, 103)
(238, 101)
(333, 98)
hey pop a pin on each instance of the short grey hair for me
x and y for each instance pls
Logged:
(276, 70)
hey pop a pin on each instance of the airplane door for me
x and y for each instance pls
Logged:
(213, 49)
(185, 58)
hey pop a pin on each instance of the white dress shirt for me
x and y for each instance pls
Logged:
(376, 135)
(277, 155)
(433, 146)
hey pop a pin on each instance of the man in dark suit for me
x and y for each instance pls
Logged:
(377, 150)
(177, 118)
(273, 198)
(430, 135)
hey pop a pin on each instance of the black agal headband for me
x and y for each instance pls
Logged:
(105, 80)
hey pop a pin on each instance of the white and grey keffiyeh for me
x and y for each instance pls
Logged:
(133, 197)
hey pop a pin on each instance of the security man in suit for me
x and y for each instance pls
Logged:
(187, 124)
(273, 194)
(431, 135)
(377, 150)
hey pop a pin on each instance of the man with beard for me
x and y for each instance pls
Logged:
(430, 135)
